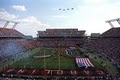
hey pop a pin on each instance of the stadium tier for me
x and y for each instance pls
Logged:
(61, 37)
(60, 53)
(112, 33)
(108, 44)
(10, 33)
(65, 33)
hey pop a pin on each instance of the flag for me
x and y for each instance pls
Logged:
(83, 62)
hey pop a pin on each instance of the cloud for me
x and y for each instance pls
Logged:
(19, 7)
(5, 15)
(92, 17)
(105, 11)
(30, 25)
(31, 20)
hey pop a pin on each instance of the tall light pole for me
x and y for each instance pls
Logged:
(9, 21)
(112, 20)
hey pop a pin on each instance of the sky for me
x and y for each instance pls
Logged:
(38, 15)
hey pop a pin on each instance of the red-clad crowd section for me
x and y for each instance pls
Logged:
(83, 72)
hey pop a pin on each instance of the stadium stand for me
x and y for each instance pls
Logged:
(113, 32)
(61, 37)
(14, 47)
(61, 33)
(10, 33)
(108, 44)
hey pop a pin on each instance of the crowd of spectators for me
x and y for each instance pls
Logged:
(10, 33)
(61, 78)
(60, 37)
(113, 32)
(61, 33)
(11, 42)
(12, 46)
(107, 44)
(58, 42)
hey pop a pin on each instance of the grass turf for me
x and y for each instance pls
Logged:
(65, 62)
(47, 63)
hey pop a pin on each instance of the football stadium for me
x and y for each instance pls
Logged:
(59, 39)
(59, 54)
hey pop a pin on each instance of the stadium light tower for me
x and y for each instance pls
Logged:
(112, 20)
(9, 21)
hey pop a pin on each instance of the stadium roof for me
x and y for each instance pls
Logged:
(10, 33)
(113, 32)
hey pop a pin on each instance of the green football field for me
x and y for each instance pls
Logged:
(57, 61)
(54, 62)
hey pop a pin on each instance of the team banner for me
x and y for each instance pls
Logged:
(83, 62)
(26, 71)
